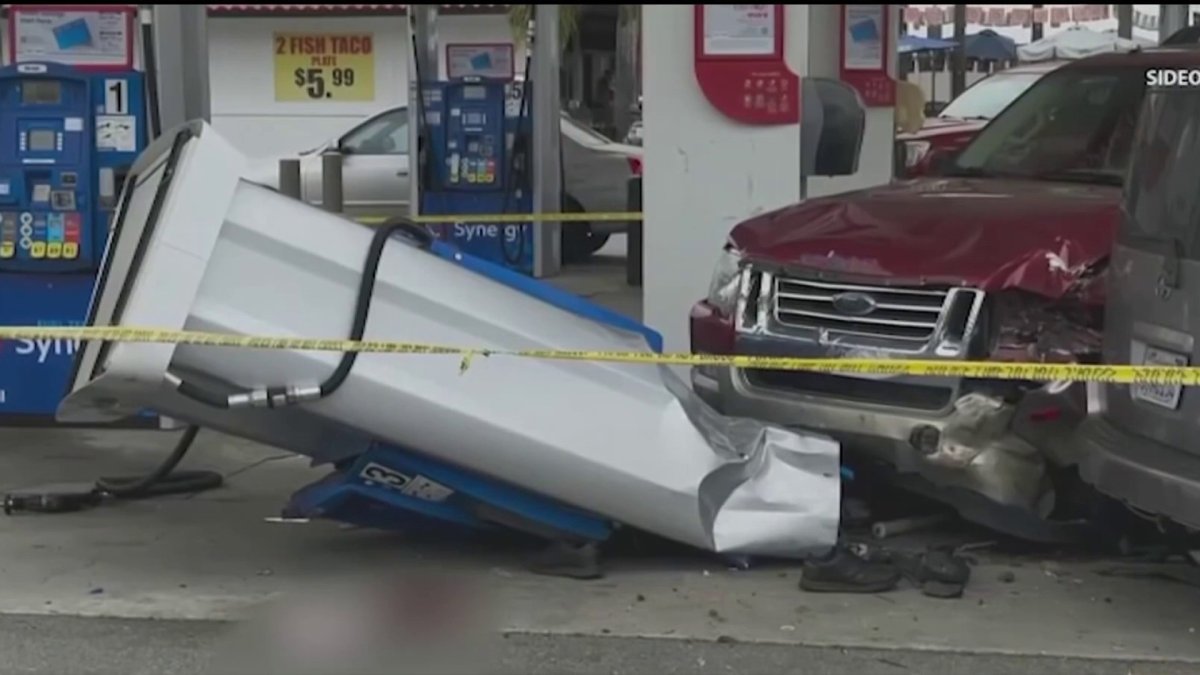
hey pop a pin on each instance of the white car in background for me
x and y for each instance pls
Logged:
(376, 170)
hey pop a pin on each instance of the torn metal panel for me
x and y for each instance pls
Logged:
(197, 248)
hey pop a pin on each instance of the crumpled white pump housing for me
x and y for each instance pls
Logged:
(196, 247)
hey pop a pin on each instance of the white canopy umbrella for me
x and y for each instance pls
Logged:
(1075, 43)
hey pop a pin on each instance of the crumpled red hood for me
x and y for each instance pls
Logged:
(992, 234)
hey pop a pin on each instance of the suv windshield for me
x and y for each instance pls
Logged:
(1161, 199)
(987, 97)
(1075, 124)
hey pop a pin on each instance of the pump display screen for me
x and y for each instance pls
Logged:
(41, 92)
(41, 140)
(474, 93)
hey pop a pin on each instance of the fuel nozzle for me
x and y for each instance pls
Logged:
(52, 499)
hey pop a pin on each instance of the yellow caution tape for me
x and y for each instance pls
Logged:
(1039, 372)
(498, 218)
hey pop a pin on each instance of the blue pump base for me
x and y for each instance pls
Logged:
(393, 489)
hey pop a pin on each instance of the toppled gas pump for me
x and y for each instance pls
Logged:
(564, 450)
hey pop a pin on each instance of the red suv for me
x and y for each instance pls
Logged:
(999, 256)
(958, 122)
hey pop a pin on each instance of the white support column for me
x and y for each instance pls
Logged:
(181, 46)
(547, 172)
(1172, 18)
(705, 173)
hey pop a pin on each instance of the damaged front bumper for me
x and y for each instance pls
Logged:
(987, 447)
(980, 453)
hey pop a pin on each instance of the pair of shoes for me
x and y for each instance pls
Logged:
(845, 572)
(938, 573)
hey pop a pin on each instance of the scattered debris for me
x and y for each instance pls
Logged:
(716, 616)
(1051, 569)
(977, 546)
(787, 628)
(265, 573)
(641, 598)
(858, 568)
(1006, 577)
(883, 530)
(726, 640)
(96, 591)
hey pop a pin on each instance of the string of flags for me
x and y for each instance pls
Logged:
(1054, 15)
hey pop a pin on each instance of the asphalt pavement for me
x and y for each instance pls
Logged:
(57, 645)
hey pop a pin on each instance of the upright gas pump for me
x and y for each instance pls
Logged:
(476, 136)
(67, 138)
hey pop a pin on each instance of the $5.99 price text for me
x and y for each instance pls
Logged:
(313, 80)
(321, 67)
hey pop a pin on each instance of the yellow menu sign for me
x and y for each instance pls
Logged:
(324, 67)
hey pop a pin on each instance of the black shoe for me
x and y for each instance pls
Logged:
(845, 572)
(938, 573)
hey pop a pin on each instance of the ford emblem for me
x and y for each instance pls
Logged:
(854, 304)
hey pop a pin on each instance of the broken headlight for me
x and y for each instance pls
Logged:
(1028, 327)
(723, 289)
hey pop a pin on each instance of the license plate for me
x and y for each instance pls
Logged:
(1160, 394)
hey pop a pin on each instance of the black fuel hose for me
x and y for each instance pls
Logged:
(164, 480)
(358, 326)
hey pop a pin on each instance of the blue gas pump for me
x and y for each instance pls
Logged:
(477, 136)
(65, 137)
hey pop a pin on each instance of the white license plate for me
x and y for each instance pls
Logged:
(1160, 394)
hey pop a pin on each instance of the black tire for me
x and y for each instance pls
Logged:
(579, 242)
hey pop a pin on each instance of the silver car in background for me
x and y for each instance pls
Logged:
(376, 170)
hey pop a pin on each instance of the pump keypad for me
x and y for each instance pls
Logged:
(8, 235)
(40, 235)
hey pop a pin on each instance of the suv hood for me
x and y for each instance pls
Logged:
(992, 234)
